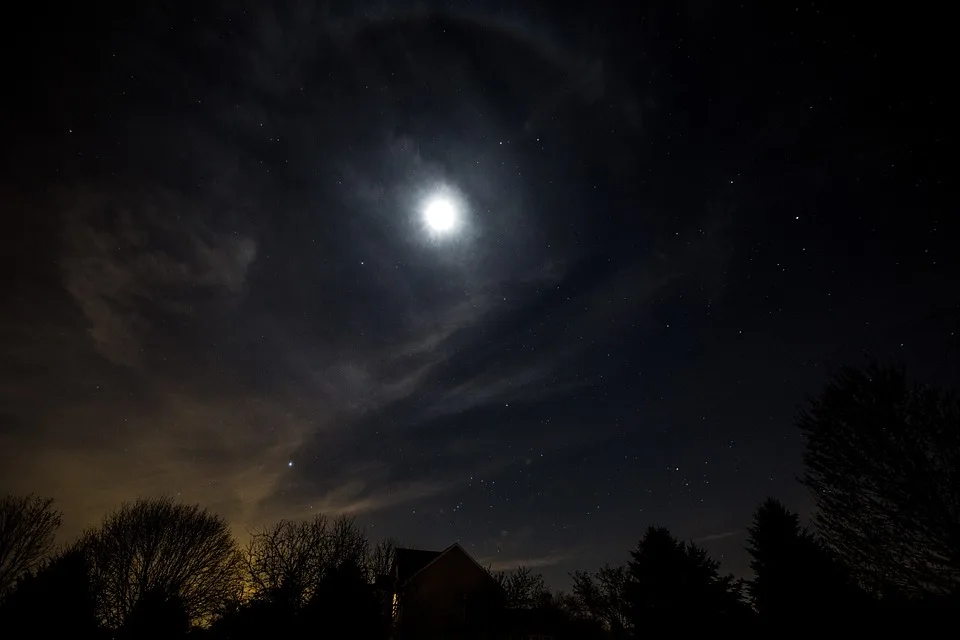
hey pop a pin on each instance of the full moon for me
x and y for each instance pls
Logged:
(441, 214)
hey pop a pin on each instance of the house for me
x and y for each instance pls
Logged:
(444, 594)
(447, 594)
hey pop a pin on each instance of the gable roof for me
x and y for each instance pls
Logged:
(409, 562)
(413, 557)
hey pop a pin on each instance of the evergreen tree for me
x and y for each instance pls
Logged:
(795, 578)
(677, 585)
(54, 601)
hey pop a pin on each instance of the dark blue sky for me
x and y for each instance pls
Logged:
(677, 220)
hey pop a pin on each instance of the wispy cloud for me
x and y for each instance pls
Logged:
(359, 497)
(723, 535)
(124, 257)
(499, 563)
(228, 454)
(182, 354)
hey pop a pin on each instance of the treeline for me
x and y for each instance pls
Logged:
(882, 462)
(159, 569)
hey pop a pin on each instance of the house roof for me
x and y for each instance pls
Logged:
(411, 561)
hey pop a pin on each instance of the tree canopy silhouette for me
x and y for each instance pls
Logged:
(163, 550)
(28, 525)
(676, 584)
(345, 603)
(523, 588)
(287, 561)
(883, 462)
(157, 615)
(53, 601)
(602, 596)
(309, 577)
(795, 578)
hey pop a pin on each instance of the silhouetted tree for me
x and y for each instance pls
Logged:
(577, 622)
(346, 604)
(348, 544)
(883, 461)
(54, 601)
(287, 560)
(256, 618)
(173, 553)
(523, 588)
(380, 559)
(316, 577)
(795, 579)
(676, 585)
(28, 525)
(157, 615)
(779, 548)
(603, 597)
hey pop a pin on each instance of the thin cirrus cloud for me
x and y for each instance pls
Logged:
(497, 563)
(723, 535)
(117, 272)
(150, 418)
(195, 350)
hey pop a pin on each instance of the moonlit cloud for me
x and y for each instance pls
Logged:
(127, 258)
(723, 535)
(497, 563)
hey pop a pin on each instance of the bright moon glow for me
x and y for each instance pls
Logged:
(440, 214)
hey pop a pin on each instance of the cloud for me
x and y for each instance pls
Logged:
(405, 409)
(358, 497)
(197, 338)
(126, 258)
(347, 413)
(718, 536)
(230, 455)
(498, 563)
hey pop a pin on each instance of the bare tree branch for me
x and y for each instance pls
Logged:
(524, 589)
(603, 597)
(380, 559)
(28, 525)
(160, 547)
(287, 560)
(883, 462)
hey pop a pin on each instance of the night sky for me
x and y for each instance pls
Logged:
(672, 223)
